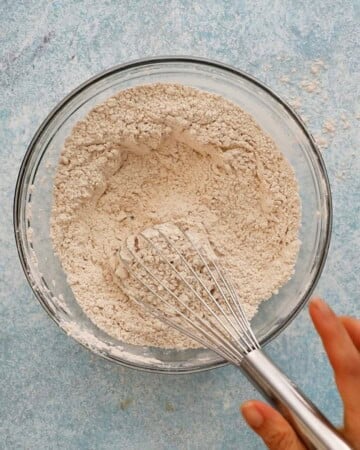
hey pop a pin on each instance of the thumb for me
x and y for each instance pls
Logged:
(271, 426)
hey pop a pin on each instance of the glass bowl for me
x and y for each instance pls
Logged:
(33, 197)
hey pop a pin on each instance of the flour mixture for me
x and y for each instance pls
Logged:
(169, 153)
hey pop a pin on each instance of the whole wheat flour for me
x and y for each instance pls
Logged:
(166, 153)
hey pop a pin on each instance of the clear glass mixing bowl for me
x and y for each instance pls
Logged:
(33, 197)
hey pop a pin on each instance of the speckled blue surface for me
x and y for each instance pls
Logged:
(55, 394)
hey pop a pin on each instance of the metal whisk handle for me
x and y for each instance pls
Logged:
(312, 427)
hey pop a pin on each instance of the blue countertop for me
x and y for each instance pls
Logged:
(53, 393)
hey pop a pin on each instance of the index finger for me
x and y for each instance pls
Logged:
(341, 351)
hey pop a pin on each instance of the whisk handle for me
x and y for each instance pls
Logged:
(312, 427)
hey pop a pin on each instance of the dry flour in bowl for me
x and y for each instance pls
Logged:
(170, 153)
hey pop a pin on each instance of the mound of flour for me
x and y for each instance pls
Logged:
(169, 153)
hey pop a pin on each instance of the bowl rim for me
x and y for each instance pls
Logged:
(20, 185)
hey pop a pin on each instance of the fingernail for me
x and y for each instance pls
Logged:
(252, 415)
(321, 306)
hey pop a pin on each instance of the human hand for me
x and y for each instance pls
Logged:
(341, 339)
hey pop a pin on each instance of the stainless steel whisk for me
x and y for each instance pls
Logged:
(216, 319)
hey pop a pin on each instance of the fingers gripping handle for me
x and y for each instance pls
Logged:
(312, 427)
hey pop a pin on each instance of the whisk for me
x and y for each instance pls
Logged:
(175, 275)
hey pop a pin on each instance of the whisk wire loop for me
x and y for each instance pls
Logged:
(228, 333)
(213, 334)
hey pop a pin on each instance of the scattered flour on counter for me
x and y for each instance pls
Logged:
(267, 67)
(322, 142)
(317, 66)
(345, 122)
(329, 126)
(169, 153)
(313, 83)
(310, 86)
(295, 102)
(284, 79)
